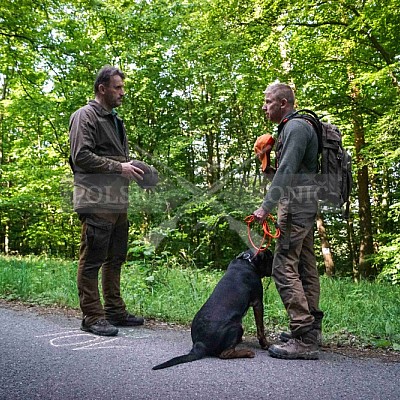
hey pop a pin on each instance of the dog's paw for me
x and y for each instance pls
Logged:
(251, 354)
(264, 343)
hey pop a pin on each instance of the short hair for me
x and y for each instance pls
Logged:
(104, 75)
(281, 91)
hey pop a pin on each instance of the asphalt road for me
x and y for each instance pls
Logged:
(48, 357)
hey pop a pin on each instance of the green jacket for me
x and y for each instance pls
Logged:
(97, 151)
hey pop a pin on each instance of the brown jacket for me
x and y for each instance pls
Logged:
(97, 150)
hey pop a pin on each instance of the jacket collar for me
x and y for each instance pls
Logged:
(100, 110)
(284, 120)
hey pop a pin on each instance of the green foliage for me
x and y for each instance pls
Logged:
(39, 280)
(389, 255)
(195, 79)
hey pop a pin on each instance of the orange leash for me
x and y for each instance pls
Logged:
(267, 232)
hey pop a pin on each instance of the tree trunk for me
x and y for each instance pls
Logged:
(366, 237)
(325, 247)
(352, 248)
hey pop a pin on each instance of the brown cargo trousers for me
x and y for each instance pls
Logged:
(104, 244)
(294, 268)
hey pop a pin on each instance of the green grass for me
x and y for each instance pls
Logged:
(362, 313)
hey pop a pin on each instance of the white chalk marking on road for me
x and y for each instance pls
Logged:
(101, 345)
(54, 341)
(93, 343)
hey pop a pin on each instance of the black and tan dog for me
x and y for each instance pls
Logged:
(217, 326)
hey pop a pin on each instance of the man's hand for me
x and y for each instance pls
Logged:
(131, 172)
(260, 214)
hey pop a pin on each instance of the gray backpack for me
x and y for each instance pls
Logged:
(334, 179)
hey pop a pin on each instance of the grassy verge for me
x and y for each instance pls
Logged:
(355, 314)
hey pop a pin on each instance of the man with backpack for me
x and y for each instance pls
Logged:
(293, 190)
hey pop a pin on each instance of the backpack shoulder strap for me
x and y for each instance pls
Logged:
(314, 120)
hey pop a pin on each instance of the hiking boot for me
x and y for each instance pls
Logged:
(128, 320)
(304, 347)
(286, 336)
(101, 328)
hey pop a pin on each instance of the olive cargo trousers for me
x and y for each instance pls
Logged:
(294, 268)
(104, 241)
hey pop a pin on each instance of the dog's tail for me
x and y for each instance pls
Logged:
(198, 351)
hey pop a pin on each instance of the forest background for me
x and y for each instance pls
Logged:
(196, 71)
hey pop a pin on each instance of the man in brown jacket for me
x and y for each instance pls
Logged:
(102, 172)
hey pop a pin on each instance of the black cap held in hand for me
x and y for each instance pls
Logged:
(150, 175)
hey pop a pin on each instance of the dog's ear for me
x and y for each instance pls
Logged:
(263, 261)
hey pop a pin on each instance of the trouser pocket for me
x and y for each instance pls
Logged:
(118, 245)
(96, 243)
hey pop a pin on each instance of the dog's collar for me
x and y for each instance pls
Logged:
(245, 255)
